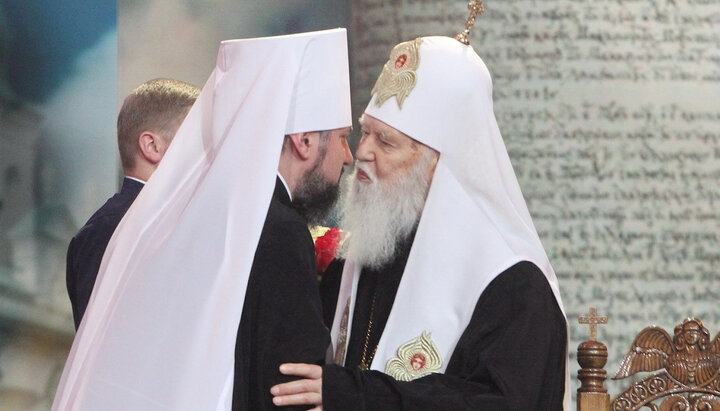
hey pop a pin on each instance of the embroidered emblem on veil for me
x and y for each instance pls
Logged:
(398, 75)
(416, 358)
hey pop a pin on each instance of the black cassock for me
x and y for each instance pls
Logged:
(282, 314)
(512, 355)
(86, 249)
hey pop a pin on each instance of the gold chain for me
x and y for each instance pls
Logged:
(365, 361)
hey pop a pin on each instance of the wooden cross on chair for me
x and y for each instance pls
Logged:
(592, 356)
(593, 320)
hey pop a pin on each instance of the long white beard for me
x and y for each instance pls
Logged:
(378, 215)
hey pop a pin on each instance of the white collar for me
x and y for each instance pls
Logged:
(285, 184)
(136, 179)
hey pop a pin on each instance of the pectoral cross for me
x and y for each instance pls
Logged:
(593, 320)
(476, 7)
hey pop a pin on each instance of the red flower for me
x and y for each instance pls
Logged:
(326, 247)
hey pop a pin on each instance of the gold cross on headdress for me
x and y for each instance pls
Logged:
(593, 320)
(476, 7)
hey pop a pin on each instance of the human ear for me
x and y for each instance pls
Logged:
(303, 144)
(151, 146)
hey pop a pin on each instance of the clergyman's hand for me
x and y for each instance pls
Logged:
(307, 391)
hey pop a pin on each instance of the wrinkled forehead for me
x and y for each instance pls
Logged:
(373, 124)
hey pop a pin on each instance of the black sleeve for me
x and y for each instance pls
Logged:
(329, 289)
(282, 317)
(84, 257)
(511, 356)
(70, 282)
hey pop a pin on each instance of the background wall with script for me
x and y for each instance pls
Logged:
(611, 113)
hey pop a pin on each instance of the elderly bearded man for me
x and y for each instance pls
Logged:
(447, 299)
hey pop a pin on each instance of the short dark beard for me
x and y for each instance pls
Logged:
(315, 196)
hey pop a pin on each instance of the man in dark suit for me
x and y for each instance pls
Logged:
(147, 123)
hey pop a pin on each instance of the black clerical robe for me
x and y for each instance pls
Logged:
(282, 314)
(511, 355)
(86, 249)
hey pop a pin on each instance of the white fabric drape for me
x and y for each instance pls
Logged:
(159, 332)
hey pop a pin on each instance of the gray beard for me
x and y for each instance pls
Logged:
(381, 214)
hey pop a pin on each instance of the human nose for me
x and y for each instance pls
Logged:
(348, 154)
(364, 151)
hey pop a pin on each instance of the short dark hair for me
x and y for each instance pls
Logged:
(158, 105)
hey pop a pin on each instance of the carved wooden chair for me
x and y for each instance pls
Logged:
(686, 370)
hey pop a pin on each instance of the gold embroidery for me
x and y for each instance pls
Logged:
(416, 358)
(398, 76)
(366, 359)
